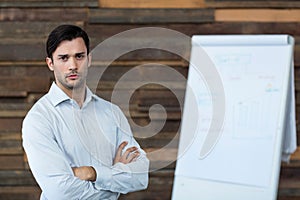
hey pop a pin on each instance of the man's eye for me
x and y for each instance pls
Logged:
(64, 58)
(79, 56)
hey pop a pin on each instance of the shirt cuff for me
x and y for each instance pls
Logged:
(120, 168)
(103, 178)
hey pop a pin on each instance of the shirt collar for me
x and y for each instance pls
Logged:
(89, 96)
(57, 96)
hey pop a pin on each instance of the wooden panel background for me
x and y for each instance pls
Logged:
(24, 77)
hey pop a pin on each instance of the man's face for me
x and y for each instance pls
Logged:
(70, 64)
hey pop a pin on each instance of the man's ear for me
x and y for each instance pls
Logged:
(89, 59)
(49, 63)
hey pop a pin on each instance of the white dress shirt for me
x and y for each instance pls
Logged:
(58, 135)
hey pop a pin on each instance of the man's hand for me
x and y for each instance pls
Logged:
(130, 155)
(86, 173)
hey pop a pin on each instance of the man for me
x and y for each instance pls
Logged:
(78, 145)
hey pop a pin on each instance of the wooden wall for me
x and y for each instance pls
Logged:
(24, 77)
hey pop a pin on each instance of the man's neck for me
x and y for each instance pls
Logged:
(77, 94)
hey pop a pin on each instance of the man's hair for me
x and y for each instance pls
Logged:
(65, 32)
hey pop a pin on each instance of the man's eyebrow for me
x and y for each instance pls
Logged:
(66, 55)
(79, 53)
(62, 55)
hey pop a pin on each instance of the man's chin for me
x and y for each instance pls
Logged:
(76, 85)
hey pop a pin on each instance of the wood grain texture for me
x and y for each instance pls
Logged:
(151, 4)
(252, 4)
(29, 84)
(18, 14)
(11, 162)
(150, 16)
(48, 4)
(257, 15)
(20, 192)
(190, 4)
(16, 178)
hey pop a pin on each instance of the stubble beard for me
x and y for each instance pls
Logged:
(74, 84)
(78, 84)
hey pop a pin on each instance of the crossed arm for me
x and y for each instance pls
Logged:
(88, 173)
(59, 181)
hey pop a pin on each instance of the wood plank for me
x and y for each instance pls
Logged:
(156, 115)
(172, 102)
(48, 4)
(20, 192)
(103, 31)
(12, 113)
(34, 52)
(28, 84)
(20, 64)
(139, 78)
(111, 73)
(294, 161)
(15, 106)
(296, 156)
(19, 94)
(287, 197)
(161, 157)
(297, 55)
(34, 97)
(10, 136)
(150, 16)
(177, 64)
(151, 4)
(43, 14)
(158, 143)
(16, 178)
(297, 87)
(141, 48)
(257, 15)
(37, 31)
(38, 1)
(170, 126)
(134, 85)
(252, 4)
(10, 124)
(289, 185)
(11, 162)
(11, 147)
(142, 69)
(161, 135)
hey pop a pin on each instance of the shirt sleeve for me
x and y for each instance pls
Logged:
(49, 165)
(121, 177)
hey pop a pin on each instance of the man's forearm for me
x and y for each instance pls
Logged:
(86, 173)
(123, 178)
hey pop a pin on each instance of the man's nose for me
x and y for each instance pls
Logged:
(72, 63)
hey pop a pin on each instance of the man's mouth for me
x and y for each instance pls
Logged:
(73, 76)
